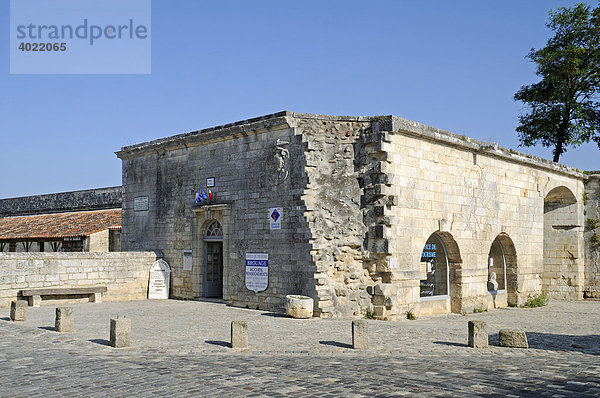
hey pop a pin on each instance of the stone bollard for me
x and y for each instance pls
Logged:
(360, 335)
(513, 338)
(64, 319)
(120, 332)
(478, 334)
(299, 306)
(18, 310)
(239, 334)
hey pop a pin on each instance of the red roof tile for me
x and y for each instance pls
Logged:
(62, 225)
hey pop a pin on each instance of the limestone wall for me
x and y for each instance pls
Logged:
(98, 242)
(124, 274)
(592, 236)
(360, 197)
(334, 212)
(434, 181)
(257, 166)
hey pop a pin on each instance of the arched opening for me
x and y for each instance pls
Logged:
(496, 267)
(439, 259)
(502, 268)
(213, 260)
(560, 275)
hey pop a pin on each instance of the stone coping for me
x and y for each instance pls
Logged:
(388, 123)
(83, 200)
(77, 255)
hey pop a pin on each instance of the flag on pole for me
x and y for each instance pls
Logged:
(204, 195)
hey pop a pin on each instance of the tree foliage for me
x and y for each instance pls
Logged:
(563, 109)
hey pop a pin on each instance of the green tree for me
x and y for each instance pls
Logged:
(563, 109)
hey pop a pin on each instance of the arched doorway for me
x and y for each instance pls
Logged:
(439, 259)
(213, 260)
(502, 268)
(561, 275)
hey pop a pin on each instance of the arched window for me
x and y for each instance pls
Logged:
(214, 231)
(434, 279)
(496, 267)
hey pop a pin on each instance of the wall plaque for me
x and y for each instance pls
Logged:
(160, 277)
(140, 203)
(187, 260)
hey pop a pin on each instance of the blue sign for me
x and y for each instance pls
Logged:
(428, 251)
(257, 271)
(275, 216)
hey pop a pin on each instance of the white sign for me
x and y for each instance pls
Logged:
(140, 203)
(257, 271)
(187, 260)
(210, 182)
(160, 277)
(275, 216)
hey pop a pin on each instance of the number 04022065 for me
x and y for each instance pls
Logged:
(43, 47)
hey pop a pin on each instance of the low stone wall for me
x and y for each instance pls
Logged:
(125, 274)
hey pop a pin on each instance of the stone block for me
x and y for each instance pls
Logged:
(18, 310)
(64, 319)
(239, 334)
(120, 332)
(513, 338)
(360, 335)
(96, 298)
(299, 306)
(478, 334)
(35, 301)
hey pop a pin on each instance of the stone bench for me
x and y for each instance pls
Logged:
(35, 295)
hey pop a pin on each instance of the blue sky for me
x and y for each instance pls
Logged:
(454, 65)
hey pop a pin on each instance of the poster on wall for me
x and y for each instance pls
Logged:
(257, 271)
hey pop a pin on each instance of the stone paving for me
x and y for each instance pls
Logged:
(180, 348)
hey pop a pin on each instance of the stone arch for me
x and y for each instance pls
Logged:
(510, 271)
(439, 273)
(562, 276)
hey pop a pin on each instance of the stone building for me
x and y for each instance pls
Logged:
(80, 221)
(359, 213)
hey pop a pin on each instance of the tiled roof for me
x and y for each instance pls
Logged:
(61, 225)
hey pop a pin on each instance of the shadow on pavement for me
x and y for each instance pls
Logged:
(218, 342)
(274, 314)
(335, 343)
(450, 343)
(6, 318)
(563, 342)
(50, 328)
(100, 341)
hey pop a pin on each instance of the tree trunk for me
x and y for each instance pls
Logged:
(558, 150)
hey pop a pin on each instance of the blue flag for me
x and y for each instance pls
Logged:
(204, 195)
(198, 198)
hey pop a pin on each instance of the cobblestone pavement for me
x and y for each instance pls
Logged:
(179, 348)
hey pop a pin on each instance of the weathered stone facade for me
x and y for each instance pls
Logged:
(361, 198)
(591, 201)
